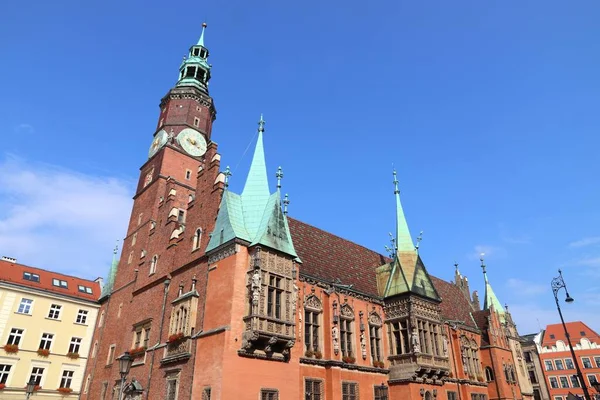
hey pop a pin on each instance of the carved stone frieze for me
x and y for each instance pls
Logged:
(222, 254)
(313, 303)
(375, 319)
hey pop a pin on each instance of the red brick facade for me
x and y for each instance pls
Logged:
(185, 312)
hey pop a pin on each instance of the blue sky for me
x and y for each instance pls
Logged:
(488, 110)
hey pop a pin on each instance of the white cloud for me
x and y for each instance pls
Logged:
(24, 128)
(523, 288)
(588, 241)
(487, 250)
(61, 220)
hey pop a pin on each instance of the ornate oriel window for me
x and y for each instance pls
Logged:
(346, 330)
(400, 337)
(312, 312)
(272, 297)
(183, 320)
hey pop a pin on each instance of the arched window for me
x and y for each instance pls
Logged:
(130, 258)
(197, 240)
(153, 264)
(428, 395)
(489, 374)
(346, 330)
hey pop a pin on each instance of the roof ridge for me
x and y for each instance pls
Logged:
(49, 271)
(340, 237)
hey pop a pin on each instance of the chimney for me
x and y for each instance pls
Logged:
(9, 259)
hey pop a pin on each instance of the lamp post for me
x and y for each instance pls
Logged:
(557, 284)
(125, 361)
(30, 388)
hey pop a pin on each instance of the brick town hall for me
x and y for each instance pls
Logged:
(222, 296)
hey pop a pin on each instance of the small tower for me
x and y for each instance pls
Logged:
(195, 69)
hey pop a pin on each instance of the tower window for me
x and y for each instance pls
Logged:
(153, 264)
(197, 239)
(203, 53)
(188, 174)
(190, 72)
(196, 52)
(181, 217)
(196, 121)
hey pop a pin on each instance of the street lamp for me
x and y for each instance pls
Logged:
(125, 361)
(30, 387)
(557, 284)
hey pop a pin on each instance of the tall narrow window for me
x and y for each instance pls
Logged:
(46, 341)
(532, 376)
(67, 377)
(111, 354)
(87, 384)
(313, 389)
(25, 306)
(375, 339)
(400, 344)
(172, 386)
(206, 393)
(197, 239)
(74, 345)
(346, 336)
(101, 319)
(181, 216)
(134, 239)
(95, 349)
(103, 390)
(153, 264)
(349, 391)
(311, 330)
(15, 336)
(4, 372)
(274, 297)
(36, 375)
(559, 364)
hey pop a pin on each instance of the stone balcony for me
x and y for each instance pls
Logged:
(178, 351)
(420, 367)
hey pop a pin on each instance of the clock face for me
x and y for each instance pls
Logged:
(192, 142)
(159, 141)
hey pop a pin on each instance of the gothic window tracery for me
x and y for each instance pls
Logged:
(312, 313)
(346, 330)
(375, 324)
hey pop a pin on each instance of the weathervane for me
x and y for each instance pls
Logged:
(391, 250)
(279, 176)
(227, 174)
(419, 241)
(396, 190)
(286, 203)
(482, 262)
(261, 124)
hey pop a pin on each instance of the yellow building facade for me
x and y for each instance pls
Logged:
(47, 321)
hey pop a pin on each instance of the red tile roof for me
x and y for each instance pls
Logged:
(556, 332)
(13, 273)
(329, 257)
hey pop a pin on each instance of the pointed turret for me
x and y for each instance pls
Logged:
(195, 69)
(256, 190)
(490, 300)
(406, 273)
(256, 216)
(112, 273)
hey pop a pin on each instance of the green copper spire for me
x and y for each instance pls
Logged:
(195, 69)
(201, 40)
(406, 273)
(490, 297)
(403, 239)
(256, 216)
(112, 273)
(256, 190)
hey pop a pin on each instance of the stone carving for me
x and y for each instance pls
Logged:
(294, 297)
(221, 254)
(363, 345)
(312, 302)
(255, 289)
(414, 340)
(445, 345)
(336, 339)
(299, 325)
(347, 311)
(375, 319)
(247, 339)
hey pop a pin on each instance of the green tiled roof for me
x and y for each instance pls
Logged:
(256, 215)
(490, 297)
(112, 273)
(406, 273)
